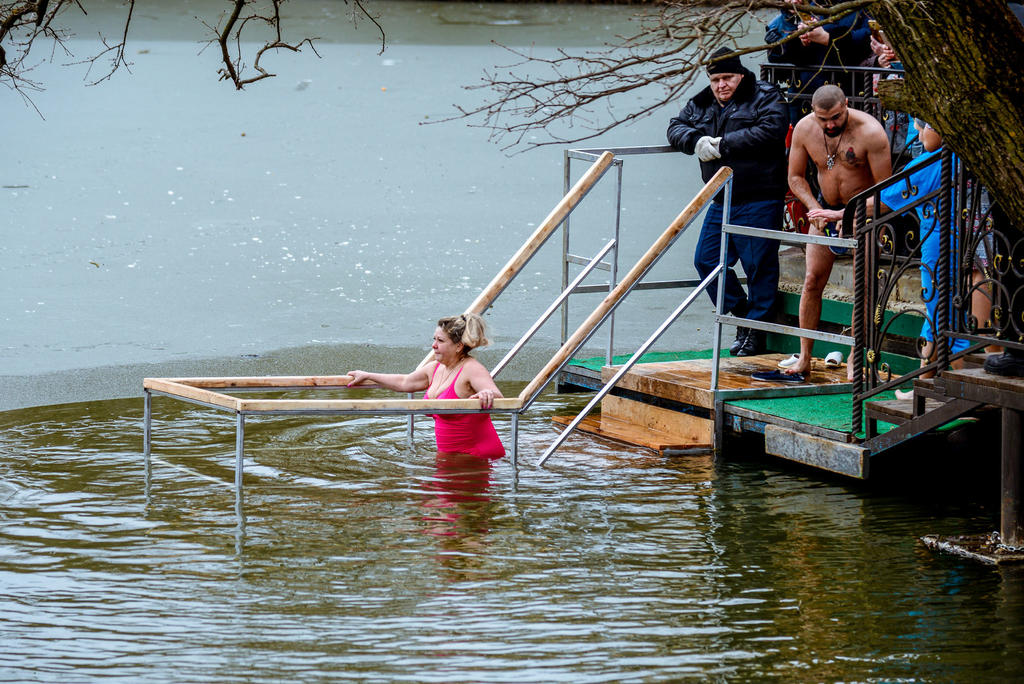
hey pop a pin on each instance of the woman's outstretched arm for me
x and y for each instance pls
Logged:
(416, 381)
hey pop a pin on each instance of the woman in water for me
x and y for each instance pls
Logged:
(453, 374)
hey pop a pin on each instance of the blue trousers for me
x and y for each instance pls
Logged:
(760, 257)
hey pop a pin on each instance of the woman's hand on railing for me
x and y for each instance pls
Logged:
(486, 397)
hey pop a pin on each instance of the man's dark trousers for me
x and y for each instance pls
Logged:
(759, 257)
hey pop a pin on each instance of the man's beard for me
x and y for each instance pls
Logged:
(838, 131)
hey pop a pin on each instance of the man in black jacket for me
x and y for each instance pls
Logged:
(740, 122)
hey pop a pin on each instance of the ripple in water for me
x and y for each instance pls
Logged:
(368, 558)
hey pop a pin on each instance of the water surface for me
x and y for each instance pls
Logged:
(364, 558)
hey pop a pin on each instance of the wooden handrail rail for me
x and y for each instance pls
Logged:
(203, 390)
(538, 238)
(575, 340)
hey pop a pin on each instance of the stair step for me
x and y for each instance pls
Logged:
(906, 429)
(897, 411)
(630, 433)
(930, 389)
(974, 360)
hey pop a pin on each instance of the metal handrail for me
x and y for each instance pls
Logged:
(572, 287)
(631, 362)
(789, 238)
(722, 179)
(863, 231)
(767, 326)
(640, 268)
(589, 154)
(570, 200)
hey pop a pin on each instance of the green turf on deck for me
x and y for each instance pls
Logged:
(899, 364)
(596, 363)
(831, 411)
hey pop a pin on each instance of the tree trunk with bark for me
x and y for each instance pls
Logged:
(963, 61)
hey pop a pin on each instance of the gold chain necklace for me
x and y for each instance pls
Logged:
(441, 386)
(830, 159)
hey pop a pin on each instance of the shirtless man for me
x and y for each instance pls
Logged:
(851, 152)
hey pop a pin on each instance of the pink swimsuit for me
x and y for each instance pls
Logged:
(464, 433)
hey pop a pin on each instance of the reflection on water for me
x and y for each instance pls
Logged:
(458, 510)
(367, 558)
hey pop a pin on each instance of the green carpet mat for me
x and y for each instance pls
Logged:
(831, 411)
(596, 363)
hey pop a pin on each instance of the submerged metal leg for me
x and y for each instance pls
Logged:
(719, 434)
(1011, 520)
(410, 428)
(147, 435)
(515, 440)
(239, 463)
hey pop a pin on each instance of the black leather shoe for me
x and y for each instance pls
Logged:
(1009, 364)
(753, 345)
(741, 339)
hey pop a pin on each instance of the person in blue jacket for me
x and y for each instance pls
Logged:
(926, 178)
(844, 42)
(825, 50)
(740, 122)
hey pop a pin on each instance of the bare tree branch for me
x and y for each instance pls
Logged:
(246, 12)
(359, 9)
(118, 60)
(672, 48)
(25, 22)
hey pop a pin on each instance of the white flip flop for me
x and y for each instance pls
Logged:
(791, 361)
(834, 359)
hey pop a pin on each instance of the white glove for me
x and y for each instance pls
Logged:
(702, 147)
(706, 148)
(713, 147)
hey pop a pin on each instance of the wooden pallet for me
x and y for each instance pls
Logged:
(641, 424)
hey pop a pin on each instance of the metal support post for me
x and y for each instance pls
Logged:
(614, 276)
(716, 348)
(942, 269)
(147, 436)
(859, 321)
(239, 461)
(719, 428)
(410, 429)
(1011, 518)
(515, 440)
(566, 184)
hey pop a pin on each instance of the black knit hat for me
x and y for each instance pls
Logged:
(730, 65)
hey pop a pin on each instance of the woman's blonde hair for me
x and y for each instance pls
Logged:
(469, 329)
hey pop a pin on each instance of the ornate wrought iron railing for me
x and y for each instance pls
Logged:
(977, 272)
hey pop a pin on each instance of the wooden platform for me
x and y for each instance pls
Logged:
(689, 382)
(977, 385)
(619, 430)
(669, 406)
